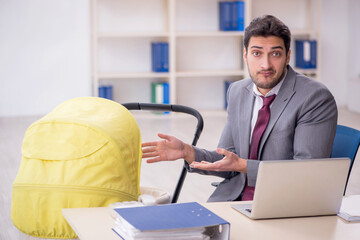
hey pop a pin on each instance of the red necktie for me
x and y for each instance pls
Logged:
(260, 126)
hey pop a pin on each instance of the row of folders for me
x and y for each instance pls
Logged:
(305, 55)
(305, 51)
(160, 92)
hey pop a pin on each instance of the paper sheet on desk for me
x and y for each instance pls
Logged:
(350, 208)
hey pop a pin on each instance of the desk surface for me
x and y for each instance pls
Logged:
(96, 223)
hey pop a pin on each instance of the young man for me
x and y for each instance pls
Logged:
(276, 114)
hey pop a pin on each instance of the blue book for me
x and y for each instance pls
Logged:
(102, 91)
(225, 18)
(305, 51)
(160, 56)
(106, 91)
(156, 57)
(313, 50)
(109, 92)
(165, 57)
(237, 14)
(166, 95)
(165, 221)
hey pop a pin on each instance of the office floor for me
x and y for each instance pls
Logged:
(161, 175)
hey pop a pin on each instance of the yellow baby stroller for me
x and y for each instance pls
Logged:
(85, 153)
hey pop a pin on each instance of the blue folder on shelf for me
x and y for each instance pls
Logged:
(166, 96)
(305, 51)
(231, 15)
(225, 16)
(106, 91)
(173, 220)
(165, 57)
(237, 15)
(160, 56)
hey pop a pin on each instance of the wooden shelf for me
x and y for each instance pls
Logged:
(210, 34)
(307, 71)
(133, 35)
(199, 54)
(210, 73)
(132, 75)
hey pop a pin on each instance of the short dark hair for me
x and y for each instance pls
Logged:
(267, 26)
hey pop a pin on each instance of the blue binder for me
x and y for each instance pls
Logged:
(172, 217)
(166, 95)
(237, 15)
(109, 92)
(102, 91)
(156, 57)
(231, 15)
(160, 56)
(225, 20)
(106, 91)
(305, 51)
(165, 57)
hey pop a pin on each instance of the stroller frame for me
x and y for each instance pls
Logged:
(173, 108)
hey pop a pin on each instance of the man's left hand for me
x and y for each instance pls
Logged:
(230, 162)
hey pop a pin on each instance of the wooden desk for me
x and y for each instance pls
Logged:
(96, 223)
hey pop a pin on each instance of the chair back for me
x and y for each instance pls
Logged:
(346, 144)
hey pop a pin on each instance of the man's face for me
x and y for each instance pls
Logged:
(266, 59)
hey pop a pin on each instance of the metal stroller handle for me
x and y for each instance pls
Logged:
(173, 108)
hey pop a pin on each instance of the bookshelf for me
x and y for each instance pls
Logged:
(201, 57)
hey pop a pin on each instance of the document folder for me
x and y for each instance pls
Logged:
(171, 221)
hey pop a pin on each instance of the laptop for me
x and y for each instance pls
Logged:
(297, 188)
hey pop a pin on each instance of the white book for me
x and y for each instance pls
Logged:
(350, 208)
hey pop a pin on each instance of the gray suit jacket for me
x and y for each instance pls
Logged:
(302, 125)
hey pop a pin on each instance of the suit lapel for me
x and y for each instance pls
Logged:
(280, 102)
(246, 108)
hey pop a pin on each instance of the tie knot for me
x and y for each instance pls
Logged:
(268, 100)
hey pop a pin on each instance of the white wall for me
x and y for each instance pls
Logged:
(44, 54)
(340, 53)
(353, 65)
(334, 39)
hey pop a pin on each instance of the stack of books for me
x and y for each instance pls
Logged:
(160, 56)
(305, 52)
(189, 221)
(231, 15)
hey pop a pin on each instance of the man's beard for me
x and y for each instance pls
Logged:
(272, 83)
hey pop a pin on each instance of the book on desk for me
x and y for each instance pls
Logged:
(171, 221)
(350, 208)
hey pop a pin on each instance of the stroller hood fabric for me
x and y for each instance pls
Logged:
(85, 153)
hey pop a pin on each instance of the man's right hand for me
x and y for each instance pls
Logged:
(168, 149)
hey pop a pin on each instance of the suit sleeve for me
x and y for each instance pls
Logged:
(225, 142)
(316, 127)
